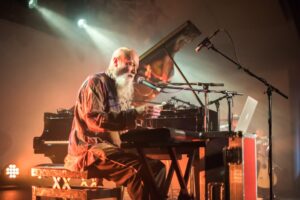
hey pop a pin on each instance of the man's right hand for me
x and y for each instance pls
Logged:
(149, 111)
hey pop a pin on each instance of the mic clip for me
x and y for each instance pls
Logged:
(207, 43)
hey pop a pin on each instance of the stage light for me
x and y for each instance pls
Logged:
(32, 4)
(81, 23)
(60, 24)
(102, 38)
(12, 171)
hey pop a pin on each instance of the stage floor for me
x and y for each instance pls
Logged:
(25, 194)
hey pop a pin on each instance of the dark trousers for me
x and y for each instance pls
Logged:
(125, 169)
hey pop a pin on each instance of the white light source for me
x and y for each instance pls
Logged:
(12, 171)
(32, 4)
(81, 23)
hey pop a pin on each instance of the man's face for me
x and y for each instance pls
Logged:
(127, 66)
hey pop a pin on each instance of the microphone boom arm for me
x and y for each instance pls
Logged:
(270, 89)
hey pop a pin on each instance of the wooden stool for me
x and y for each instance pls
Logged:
(62, 187)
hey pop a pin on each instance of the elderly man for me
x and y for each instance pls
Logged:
(103, 111)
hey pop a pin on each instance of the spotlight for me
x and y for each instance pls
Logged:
(32, 4)
(81, 23)
(12, 171)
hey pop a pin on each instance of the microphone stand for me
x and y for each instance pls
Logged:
(217, 103)
(183, 76)
(228, 95)
(184, 102)
(206, 112)
(270, 89)
(229, 103)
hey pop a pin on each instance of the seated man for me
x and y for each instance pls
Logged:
(102, 112)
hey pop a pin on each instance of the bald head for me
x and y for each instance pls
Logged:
(124, 61)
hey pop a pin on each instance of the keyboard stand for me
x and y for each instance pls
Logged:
(172, 148)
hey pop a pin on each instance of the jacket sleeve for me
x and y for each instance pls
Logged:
(94, 99)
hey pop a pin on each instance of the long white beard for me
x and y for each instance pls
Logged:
(124, 91)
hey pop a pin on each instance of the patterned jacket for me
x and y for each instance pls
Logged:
(97, 121)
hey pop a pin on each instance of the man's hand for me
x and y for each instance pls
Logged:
(153, 111)
(149, 111)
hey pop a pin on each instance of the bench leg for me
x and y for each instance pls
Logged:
(33, 194)
(121, 194)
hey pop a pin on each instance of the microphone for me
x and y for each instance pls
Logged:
(232, 92)
(142, 80)
(206, 41)
(210, 84)
(198, 84)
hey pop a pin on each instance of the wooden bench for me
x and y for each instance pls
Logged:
(63, 187)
